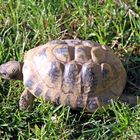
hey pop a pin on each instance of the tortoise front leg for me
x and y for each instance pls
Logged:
(26, 100)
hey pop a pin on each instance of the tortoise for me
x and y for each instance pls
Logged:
(75, 73)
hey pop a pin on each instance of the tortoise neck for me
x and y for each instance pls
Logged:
(20, 74)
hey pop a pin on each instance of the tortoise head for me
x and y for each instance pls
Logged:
(11, 70)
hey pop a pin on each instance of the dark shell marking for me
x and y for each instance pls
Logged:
(79, 102)
(70, 73)
(71, 78)
(80, 54)
(63, 50)
(88, 75)
(57, 100)
(54, 71)
(62, 53)
(38, 91)
(47, 95)
(29, 83)
(73, 43)
(67, 101)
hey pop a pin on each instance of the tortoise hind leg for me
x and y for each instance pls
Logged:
(26, 100)
(132, 100)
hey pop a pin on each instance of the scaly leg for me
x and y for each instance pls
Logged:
(26, 100)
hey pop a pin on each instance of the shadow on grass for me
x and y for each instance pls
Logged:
(133, 75)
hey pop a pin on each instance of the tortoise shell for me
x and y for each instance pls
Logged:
(75, 73)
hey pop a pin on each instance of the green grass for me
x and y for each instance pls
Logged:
(26, 24)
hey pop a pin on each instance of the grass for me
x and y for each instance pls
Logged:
(26, 24)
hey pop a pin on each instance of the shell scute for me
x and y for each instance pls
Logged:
(71, 72)
(82, 54)
(89, 76)
(63, 53)
(54, 71)
(71, 78)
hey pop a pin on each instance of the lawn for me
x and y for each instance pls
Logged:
(26, 24)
